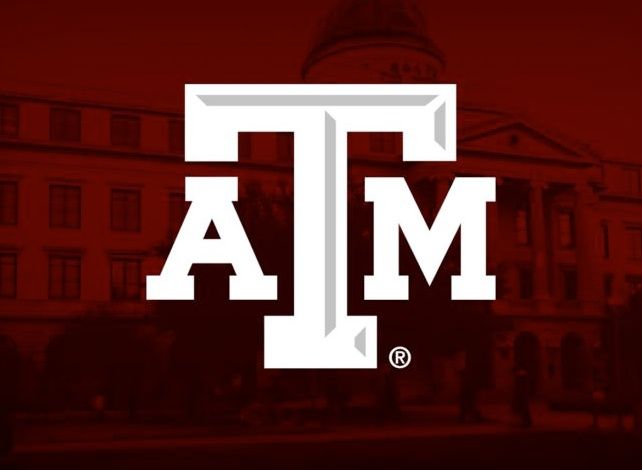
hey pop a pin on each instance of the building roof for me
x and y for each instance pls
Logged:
(368, 22)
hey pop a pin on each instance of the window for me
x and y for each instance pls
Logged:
(125, 210)
(569, 283)
(245, 145)
(631, 181)
(575, 362)
(125, 130)
(125, 279)
(64, 206)
(8, 275)
(285, 146)
(525, 277)
(634, 284)
(608, 286)
(8, 119)
(522, 226)
(8, 203)
(566, 226)
(64, 125)
(64, 276)
(604, 240)
(383, 142)
(176, 133)
(177, 210)
(634, 242)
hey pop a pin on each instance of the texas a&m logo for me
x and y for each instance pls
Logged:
(321, 334)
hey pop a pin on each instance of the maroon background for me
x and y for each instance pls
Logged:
(574, 67)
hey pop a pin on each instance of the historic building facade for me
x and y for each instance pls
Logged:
(90, 189)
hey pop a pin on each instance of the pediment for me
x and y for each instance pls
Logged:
(470, 118)
(517, 138)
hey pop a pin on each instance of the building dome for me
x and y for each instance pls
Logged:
(377, 25)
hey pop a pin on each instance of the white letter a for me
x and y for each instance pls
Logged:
(212, 201)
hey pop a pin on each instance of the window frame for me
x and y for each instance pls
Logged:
(65, 258)
(16, 131)
(10, 222)
(126, 260)
(125, 141)
(633, 284)
(605, 240)
(565, 272)
(527, 226)
(531, 288)
(176, 135)
(174, 222)
(607, 285)
(572, 243)
(636, 188)
(125, 227)
(67, 189)
(637, 254)
(63, 134)
(14, 292)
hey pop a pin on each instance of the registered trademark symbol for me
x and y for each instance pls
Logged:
(399, 357)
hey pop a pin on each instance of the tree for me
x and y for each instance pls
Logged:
(629, 370)
(9, 390)
(217, 341)
(101, 354)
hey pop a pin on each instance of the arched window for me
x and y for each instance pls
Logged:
(574, 362)
(526, 353)
(9, 371)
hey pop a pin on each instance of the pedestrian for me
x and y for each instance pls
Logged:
(598, 399)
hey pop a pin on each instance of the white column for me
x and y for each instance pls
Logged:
(589, 273)
(617, 238)
(541, 290)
